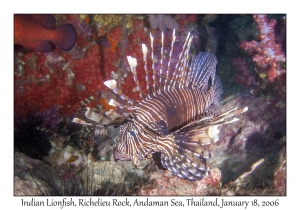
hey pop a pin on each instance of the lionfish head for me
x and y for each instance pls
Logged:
(120, 152)
(128, 135)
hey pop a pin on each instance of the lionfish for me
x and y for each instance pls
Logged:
(177, 116)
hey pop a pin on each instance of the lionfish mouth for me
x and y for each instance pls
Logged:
(176, 116)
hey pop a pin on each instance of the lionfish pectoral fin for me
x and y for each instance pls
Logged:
(93, 115)
(234, 111)
(227, 117)
(185, 165)
(163, 128)
(210, 123)
(185, 159)
(80, 121)
(201, 136)
(157, 159)
(192, 150)
(191, 126)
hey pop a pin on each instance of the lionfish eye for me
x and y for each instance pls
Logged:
(132, 133)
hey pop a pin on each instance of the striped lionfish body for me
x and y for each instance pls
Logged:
(177, 117)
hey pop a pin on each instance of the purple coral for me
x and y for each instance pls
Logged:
(51, 117)
(162, 22)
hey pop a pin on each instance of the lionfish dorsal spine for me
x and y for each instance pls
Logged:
(155, 85)
(112, 84)
(176, 69)
(184, 66)
(86, 101)
(161, 59)
(169, 62)
(83, 104)
(133, 63)
(145, 51)
(181, 65)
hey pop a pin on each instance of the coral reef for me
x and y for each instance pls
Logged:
(162, 22)
(267, 53)
(66, 78)
(164, 183)
(259, 136)
(36, 178)
(243, 77)
(51, 88)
